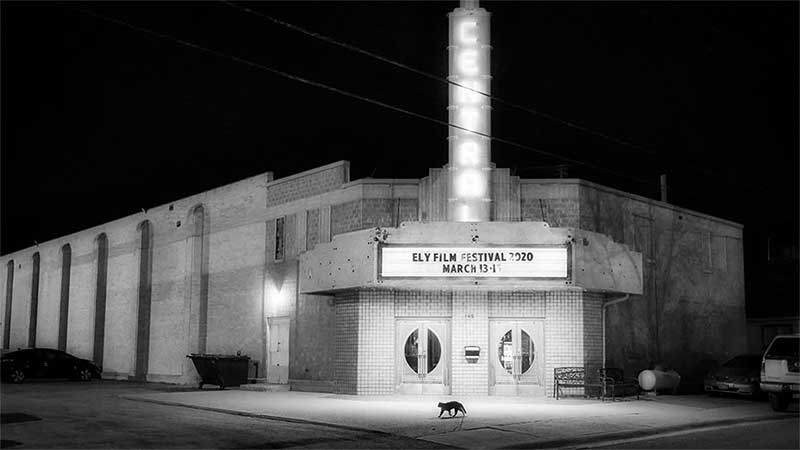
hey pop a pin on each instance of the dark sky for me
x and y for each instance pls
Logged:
(100, 120)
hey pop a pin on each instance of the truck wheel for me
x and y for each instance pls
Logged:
(779, 402)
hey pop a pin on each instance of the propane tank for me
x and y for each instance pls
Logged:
(657, 380)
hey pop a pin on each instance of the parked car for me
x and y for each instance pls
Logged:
(739, 375)
(46, 363)
(780, 370)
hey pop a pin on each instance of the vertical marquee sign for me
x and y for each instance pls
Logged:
(470, 153)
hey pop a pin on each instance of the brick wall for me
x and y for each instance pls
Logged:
(312, 228)
(378, 212)
(307, 184)
(408, 210)
(557, 212)
(346, 217)
(470, 327)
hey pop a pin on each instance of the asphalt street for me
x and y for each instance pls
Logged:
(780, 434)
(92, 415)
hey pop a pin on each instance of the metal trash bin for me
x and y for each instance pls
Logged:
(221, 370)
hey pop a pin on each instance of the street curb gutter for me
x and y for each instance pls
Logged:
(598, 439)
(255, 415)
(553, 443)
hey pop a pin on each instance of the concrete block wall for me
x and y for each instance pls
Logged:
(168, 318)
(470, 327)
(593, 332)
(236, 213)
(82, 292)
(20, 306)
(236, 291)
(121, 301)
(693, 284)
(311, 366)
(47, 310)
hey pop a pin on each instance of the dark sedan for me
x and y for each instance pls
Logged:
(19, 365)
(739, 375)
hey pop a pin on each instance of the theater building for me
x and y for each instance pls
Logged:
(469, 281)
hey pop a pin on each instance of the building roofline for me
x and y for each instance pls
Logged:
(580, 181)
(295, 176)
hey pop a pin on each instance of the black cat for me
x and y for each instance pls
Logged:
(450, 406)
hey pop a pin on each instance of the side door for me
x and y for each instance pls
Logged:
(278, 360)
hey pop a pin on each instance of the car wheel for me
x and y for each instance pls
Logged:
(16, 376)
(84, 374)
(779, 402)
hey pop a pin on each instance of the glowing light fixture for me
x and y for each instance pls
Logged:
(469, 110)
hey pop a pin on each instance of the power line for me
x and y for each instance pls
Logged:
(450, 82)
(437, 78)
(352, 95)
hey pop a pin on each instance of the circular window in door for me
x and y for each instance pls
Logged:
(505, 351)
(434, 351)
(412, 350)
(527, 351)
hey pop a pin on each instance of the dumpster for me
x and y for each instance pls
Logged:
(221, 370)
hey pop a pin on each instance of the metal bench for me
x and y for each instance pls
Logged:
(615, 383)
(575, 377)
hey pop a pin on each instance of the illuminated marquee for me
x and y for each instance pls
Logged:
(469, 262)
(469, 108)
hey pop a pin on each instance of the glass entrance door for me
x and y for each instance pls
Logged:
(516, 358)
(422, 362)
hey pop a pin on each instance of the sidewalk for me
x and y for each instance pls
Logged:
(491, 422)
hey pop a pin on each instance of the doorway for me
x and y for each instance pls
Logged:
(516, 357)
(423, 363)
(278, 355)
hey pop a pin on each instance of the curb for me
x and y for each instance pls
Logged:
(594, 440)
(598, 439)
(255, 415)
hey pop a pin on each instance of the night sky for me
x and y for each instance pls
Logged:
(100, 120)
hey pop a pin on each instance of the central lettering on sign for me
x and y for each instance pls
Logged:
(469, 110)
(525, 262)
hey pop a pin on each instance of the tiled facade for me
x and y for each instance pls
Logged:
(367, 354)
(470, 327)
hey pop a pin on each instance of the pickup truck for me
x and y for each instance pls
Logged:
(780, 371)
